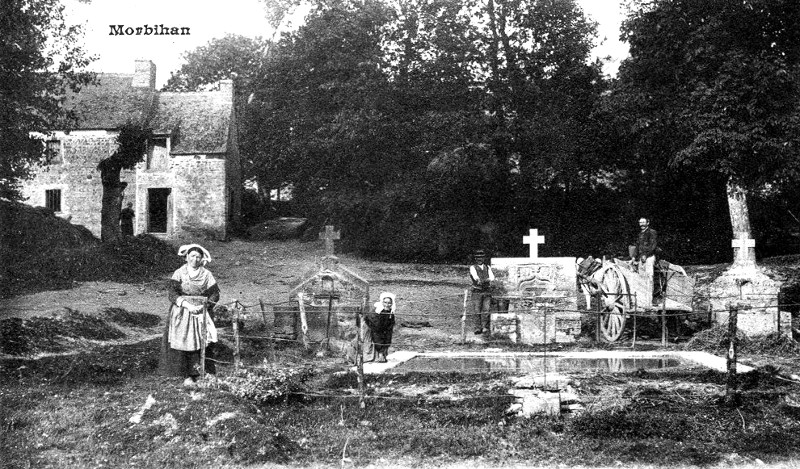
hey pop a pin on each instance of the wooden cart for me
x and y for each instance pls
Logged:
(616, 289)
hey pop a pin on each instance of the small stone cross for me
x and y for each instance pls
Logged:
(329, 236)
(742, 245)
(534, 240)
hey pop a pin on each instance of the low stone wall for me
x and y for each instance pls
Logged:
(756, 296)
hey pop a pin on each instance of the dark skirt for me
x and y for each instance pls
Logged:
(381, 327)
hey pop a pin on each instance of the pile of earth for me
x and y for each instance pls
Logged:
(45, 252)
(65, 330)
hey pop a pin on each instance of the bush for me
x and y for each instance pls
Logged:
(267, 384)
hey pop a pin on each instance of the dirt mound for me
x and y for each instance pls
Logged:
(131, 318)
(48, 253)
(30, 229)
(53, 334)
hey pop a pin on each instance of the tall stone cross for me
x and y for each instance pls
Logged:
(744, 247)
(534, 240)
(329, 236)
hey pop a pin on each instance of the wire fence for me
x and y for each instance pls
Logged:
(449, 314)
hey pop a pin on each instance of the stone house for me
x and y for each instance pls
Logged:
(189, 182)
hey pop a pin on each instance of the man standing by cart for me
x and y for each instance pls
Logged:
(645, 253)
(481, 296)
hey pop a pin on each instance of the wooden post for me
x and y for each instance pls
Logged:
(464, 318)
(328, 324)
(635, 314)
(303, 321)
(544, 358)
(236, 343)
(730, 383)
(597, 319)
(360, 356)
(544, 330)
(269, 330)
(203, 340)
(663, 322)
(263, 313)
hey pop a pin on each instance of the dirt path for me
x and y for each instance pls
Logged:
(247, 271)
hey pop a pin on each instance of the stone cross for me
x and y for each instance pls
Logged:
(329, 236)
(743, 244)
(534, 240)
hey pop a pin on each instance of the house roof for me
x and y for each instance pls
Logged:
(197, 122)
(110, 103)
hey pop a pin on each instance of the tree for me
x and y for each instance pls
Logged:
(131, 147)
(40, 60)
(240, 59)
(714, 86)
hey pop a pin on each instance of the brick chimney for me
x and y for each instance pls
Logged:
(144, 75)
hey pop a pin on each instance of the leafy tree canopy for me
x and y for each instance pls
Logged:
(713, 85)
(40, 59)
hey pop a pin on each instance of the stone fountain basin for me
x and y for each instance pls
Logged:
(537, 363)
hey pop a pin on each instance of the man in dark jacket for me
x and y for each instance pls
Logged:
(647, 242)
(645, 258)
(482, 277)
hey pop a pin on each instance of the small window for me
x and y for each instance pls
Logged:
(52, 199)
(53, 152)
(157, 155)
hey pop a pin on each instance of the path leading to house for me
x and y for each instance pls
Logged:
(249, 270)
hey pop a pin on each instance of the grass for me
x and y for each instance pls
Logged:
(74, 410)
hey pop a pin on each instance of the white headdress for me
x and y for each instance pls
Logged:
(183, 250)
(379, 303)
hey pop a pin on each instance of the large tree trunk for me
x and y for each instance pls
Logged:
(740, 217)
(112, 205)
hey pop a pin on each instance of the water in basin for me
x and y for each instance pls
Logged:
(527, 364)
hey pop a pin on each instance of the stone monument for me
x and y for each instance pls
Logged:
(326, 301)
(747, 286)
(542, 295)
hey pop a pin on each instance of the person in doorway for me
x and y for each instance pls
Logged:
(381, 325)
(193, 292)
(481, 298)
(126, 220)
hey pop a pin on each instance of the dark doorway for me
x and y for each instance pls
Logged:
(157, 210)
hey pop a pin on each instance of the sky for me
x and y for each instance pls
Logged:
(209, 19)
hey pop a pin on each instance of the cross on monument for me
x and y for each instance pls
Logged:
(742, 244)
(329, 236)
(534, 240)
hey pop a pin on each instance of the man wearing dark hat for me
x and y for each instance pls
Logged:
(481, 298)
(644, 258)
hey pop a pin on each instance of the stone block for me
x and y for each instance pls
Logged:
(543, 295)
(536, 402)
(550, 382)
(756, 296)
(506, 325)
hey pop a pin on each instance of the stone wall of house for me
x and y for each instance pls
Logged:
(78, 178)
(197, 206)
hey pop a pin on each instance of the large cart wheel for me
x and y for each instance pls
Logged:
(613, 302)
